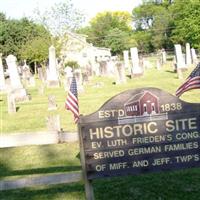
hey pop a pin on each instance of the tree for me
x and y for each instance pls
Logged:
(36, 50)
(15, 34)
(153, 17)
(62, 16)
(118, 41)
(169, 22)
(110, 29)
(186, 19)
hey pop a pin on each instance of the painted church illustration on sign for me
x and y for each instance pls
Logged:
(142, 104)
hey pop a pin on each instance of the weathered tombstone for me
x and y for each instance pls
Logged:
(2, 78)
(188, 58)
(146, 64)
(85, 76)
(41, 74)
(163, 56)
(139, 131)
(52, 77)
(158, 64)
(96, 68)
(126, 60)
(31, 81)
(68, 74)
(194, 56)
(111, 68)
(11, 103)
(180, 63)
(136, 69)
(52, 103)
(26, 72)
(120, 73)
(13, 73)
(41, 89)
(16, 85)
(103, 68)
(79, 80)
(53, 123)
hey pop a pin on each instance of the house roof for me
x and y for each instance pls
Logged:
(137, 97)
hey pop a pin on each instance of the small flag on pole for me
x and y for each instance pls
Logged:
(71, 102)
(192, 82)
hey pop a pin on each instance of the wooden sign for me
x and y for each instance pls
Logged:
(139, 131)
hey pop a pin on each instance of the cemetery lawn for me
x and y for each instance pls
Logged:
(33, 160)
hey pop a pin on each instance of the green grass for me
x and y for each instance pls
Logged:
(31, 160)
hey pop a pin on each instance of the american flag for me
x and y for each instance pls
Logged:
(192, 82)
(71, 102)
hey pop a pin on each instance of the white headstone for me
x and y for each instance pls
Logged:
(79, 80)
(2, 78)
(158, 64)
(188, 58)
(14, 75)
(52, 102)
(16, 86)
(136, 68)
(68, 77)
(164, 57)
(126, 59)
(52, 77)
(179, 57)
(11, 103)
(194, 56)
(120, 73)
(53, 123)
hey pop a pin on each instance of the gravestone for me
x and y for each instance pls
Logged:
(79, 80)
(53, 123)
(180, 62)
(11, 103)
(111, 68)
(188, 58)
(163, 56)
(126, 60)
(13, 72)
(41, 89)
(194, 56)
(120, 73)
(52, 74)
(41, 74)
(52, 103)
(2, 78)
(146, 64)
(31, 82)
(103, 68)
(26, 72)
(16, 86)
(136, 68)
(158, 64)
(68, 74)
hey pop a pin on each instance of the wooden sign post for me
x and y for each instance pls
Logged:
(139, 131)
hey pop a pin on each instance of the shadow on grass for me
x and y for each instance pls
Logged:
(172, 72)
(4, 169)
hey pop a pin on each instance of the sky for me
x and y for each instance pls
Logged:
(24, 8)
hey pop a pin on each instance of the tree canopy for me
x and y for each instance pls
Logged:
(110, 29)
(17, 37)
(167, 22)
